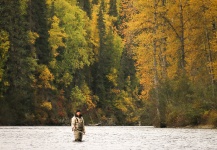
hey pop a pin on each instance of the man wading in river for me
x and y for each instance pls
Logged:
(77, 123)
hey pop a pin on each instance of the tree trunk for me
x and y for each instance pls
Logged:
(182, 39)
(158, 119)
(210, 60)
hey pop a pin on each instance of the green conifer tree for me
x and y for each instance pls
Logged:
(86, 6)
(39, 24)
(113, 8)
(100, 72)
(20, 64)
(95, 2)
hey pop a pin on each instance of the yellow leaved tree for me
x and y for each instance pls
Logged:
(56, 36)
(174, 46)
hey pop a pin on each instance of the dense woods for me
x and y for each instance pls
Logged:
(122, 62)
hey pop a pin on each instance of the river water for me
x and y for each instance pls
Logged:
(107, 138)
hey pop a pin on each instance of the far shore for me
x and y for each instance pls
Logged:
(197, 127)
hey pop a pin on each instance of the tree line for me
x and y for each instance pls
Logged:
(122, 62)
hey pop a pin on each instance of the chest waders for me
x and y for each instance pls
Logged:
(78, 132)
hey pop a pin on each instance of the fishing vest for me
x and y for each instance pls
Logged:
(79, 123)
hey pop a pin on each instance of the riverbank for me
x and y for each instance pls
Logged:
(202, 127)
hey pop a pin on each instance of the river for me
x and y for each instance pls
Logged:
(107, 138)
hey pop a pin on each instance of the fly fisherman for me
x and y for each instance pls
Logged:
(77, 123)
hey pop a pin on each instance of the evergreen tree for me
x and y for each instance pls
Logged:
(39, 24)
(100, 72)
(102, 28)
(113, 8)
(4, 46)
(86, 6)
(95, 2)
(20, 64)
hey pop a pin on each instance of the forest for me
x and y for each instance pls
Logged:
(121, 62)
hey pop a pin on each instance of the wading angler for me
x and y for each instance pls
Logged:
(77, 123)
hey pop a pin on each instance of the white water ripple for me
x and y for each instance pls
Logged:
(107, 138)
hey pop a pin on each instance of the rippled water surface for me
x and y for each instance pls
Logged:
(107, 138)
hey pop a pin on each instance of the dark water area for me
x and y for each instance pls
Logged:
(107, 138)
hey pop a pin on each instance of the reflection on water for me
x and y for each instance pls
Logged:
(107, 138)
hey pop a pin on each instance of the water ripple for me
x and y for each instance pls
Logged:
(107, 138)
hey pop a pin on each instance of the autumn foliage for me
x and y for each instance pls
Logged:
(122, 62)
